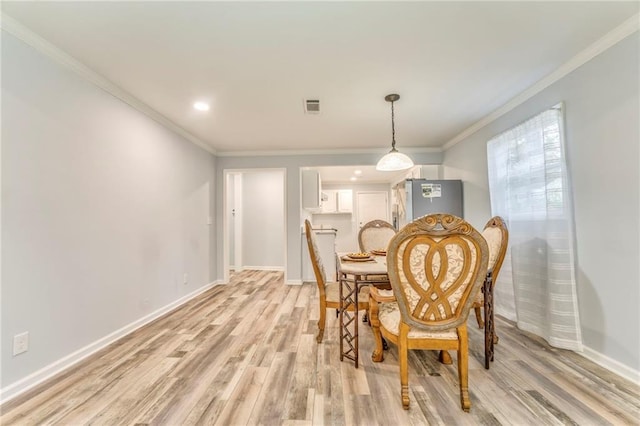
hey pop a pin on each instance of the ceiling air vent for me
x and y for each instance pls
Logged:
(312, 106)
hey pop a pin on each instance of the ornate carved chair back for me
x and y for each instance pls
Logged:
(497, 236)
(436, 266)
(375, 235)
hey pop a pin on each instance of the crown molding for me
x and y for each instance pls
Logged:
(619, 33)
(15, 28)
(288, 152)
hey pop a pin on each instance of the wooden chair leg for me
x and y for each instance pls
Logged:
(445, 357)
(404, 365)
(463, 368)
(322, 321)
(478, 312)
(374, 322)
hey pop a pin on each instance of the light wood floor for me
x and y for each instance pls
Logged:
(245, 353)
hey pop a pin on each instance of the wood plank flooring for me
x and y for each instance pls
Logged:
(245, 354)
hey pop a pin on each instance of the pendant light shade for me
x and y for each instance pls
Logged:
(393, 160)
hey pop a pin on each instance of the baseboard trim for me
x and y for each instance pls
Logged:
(611, 364)
(25, 384)
(293, 282)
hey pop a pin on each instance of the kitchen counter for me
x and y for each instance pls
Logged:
(324, 230)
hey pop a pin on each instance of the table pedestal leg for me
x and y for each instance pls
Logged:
(349, 316)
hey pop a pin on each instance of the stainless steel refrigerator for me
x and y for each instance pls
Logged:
(419, 197)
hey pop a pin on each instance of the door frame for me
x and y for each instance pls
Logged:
(236, 178)
(225, 215)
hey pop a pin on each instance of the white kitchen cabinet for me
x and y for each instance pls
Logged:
(329, 201)
(311, 190)
(337, 201)
(345, 201)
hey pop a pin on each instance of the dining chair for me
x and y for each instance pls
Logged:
(328, 292)
(436, 265)
(375, 235)
(496, 234)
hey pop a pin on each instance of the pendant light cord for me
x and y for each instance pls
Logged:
(393, 130)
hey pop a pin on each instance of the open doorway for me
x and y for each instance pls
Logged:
(254, 220)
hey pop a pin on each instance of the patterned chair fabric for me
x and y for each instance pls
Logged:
(496, 234)
(436, 266)
(375, 235)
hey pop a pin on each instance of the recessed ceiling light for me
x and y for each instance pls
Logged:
(353, 178)
(201, 106)
(357, 172)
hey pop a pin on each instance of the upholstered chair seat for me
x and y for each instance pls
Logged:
(389, 315)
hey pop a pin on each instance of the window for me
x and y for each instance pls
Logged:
(526, 164)
(530, 190)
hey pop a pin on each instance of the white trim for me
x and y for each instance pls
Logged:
(624, 30)
(17, 388)
(293, 152)
(18, 30)
(293, 282)
(611, 364)
(263, 268)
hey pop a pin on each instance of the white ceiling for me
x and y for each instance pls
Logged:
(452, 63)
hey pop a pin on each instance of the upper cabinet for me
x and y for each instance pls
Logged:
(345, 201)
(329, 201)
(337, 201)
(311, 190)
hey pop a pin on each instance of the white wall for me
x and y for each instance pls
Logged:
(263, 233)
(295, 217)
(603, 139)
(103, 211)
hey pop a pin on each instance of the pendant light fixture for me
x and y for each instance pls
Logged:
(393, 160)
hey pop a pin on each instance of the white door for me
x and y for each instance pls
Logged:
(371, 205)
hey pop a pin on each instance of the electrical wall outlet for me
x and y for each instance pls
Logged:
(20, 343)
(186, 278)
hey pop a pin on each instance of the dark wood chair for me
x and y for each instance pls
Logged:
(497, 236)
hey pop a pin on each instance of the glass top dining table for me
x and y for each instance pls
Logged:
(352, 275)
